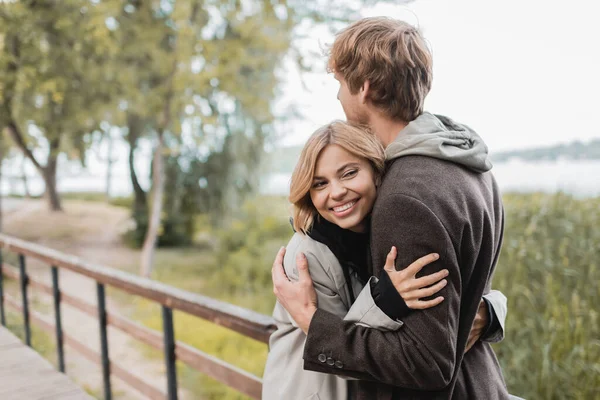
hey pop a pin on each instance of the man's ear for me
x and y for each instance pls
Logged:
(364, 92)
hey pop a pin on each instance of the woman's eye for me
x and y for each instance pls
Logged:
(319, 184)
(350, 173)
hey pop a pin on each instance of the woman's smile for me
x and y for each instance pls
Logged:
(343, 190)
(344, 209)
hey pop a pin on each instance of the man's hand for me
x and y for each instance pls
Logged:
(481, 321)
(298, 298)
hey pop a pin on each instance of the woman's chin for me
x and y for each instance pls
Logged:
(354, 224)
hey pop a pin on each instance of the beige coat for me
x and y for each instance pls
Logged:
(285, 377)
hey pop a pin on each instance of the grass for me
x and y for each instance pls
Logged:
(41, 341)
(549, 270)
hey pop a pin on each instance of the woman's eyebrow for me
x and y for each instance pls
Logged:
(340, 169)
(350, 164)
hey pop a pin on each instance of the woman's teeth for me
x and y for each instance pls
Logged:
(344, 207)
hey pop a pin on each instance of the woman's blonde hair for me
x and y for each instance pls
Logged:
(355, 139)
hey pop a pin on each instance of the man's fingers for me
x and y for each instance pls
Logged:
(302, 265)
(416, 266)
(430, 291)
(390, 260)
(422, 305)
(429, 279)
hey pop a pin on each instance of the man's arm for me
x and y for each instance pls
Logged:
(421, 355)
(386, 299)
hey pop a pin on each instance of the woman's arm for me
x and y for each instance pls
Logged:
(404, 295)
(498, 308)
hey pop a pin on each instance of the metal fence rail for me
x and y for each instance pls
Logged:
(241, 320)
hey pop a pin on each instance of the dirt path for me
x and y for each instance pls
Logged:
(90, 231)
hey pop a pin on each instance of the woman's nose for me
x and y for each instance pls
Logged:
(338, 191)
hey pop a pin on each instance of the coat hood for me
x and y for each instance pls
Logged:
(440, 137)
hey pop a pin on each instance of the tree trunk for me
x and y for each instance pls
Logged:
(24, 179)
(48, 172)
(1, 159)
(140, 203)
(109, 164)
(51, 194)
(147, 260)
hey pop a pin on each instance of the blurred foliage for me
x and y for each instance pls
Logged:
(200, 75)
(57, 82)
(549, 270)
(236, 271)
(246, 249)
(119, 201)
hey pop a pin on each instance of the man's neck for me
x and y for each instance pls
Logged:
(386, 129)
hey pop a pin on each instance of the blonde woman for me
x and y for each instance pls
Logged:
(333, 189)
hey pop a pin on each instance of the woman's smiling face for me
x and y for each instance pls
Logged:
(343, 189)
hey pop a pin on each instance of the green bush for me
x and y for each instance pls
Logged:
(548, 269)
(246, 249)
(125, 202)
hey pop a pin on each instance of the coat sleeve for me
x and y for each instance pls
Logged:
(421, 355)
(497, 302)
(328, 298)
(364, 311)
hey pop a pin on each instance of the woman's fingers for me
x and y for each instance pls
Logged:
(428, 280)
(422, 293)
(390, 260)
(416, 266)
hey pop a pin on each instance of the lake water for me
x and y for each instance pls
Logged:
(581, 178)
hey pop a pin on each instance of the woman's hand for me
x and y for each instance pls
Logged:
(413, 289)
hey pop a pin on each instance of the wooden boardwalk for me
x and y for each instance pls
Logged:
(25, 375)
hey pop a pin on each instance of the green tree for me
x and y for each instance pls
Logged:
(55, 86)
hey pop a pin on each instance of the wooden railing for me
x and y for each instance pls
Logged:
(246, 322)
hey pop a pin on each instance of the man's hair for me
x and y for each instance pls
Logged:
(393, 56)
(355, 139)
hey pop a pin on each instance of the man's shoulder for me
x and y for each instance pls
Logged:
(443, 187)
(417, 176)
(420, 165)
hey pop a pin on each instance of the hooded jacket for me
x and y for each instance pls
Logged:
(438, 195)
(440, 137)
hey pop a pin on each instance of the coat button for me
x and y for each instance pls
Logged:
(322, 357)
(330, 361)
(339, 364)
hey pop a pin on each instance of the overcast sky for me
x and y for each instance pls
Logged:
(523, 73)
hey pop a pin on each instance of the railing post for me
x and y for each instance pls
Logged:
(2, 316)
(57, 317)
(104, 340)
(24, 282)
(169, 342)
